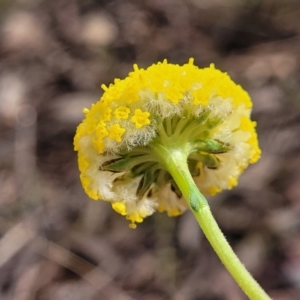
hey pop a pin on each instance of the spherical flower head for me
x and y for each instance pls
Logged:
(202, 112)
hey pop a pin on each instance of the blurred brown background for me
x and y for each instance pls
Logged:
(56, 244)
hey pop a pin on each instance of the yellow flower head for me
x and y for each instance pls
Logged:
(200, 111)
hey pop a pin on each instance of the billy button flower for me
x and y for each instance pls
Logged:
(159, 136)
(200, 112)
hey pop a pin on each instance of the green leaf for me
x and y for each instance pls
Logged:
(117, 165)
(145, 183)
(211, 161)
(212, 146)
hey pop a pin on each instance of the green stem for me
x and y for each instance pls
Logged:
(175, 161)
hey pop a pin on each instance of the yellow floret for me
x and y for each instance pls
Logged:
(140, 118)
(101, 130)
(122, 112)
(116, 132)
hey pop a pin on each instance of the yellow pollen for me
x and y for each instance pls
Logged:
(101, 130)
(191, 61)
(135, 67)
(120, 208)
(104, 87)
(116, 132)
(140, 118)
(122, 112)
(99, 145)
(132, 226)
(106, 114)
(135, 218)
